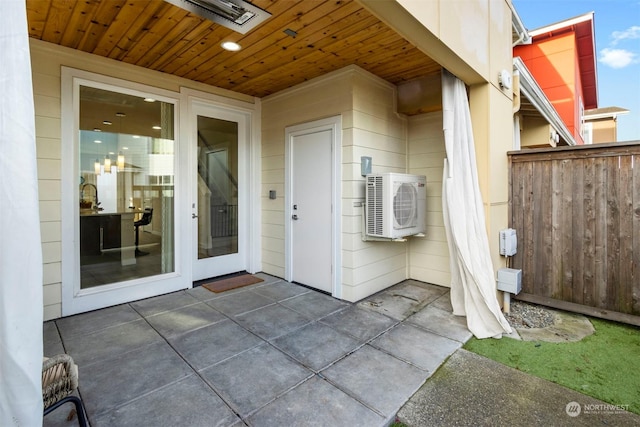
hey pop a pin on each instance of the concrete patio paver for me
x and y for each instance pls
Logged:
(185, 319)
(110, 343)
(442, 322)
(192, 403)
(421, 348)
(240, 302)
(381, 381)
(162, 303)
(314, 305)
(272, 321)
(254, 378)
(316, 346)
(281, 291)
(272, 353)
(214, 343)
(359, 323)
(316, 403)
(111, 383)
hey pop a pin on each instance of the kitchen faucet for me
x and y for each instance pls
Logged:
(97, 203)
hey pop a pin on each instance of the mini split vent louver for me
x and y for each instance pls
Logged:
(237, 15)
(395, 205)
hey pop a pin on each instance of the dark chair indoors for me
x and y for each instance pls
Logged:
(147, 215)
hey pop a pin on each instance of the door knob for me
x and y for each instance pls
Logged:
(295, 217)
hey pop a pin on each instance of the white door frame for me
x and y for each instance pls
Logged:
(248, 168)
(333, 124)
(74, 299)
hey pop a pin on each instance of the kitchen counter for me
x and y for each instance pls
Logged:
(102, 231)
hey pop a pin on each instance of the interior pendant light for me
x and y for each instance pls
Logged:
(96, 167)
(107, 164)
(120, 162)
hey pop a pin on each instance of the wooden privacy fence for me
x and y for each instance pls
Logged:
(576, 212)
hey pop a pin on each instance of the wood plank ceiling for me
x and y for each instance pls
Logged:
(159, 36)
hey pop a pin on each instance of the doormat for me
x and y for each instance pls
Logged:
(232, 283)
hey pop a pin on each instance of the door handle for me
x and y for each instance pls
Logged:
(194, 215)
(294, 217)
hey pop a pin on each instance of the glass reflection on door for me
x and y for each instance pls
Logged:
(126, 188)
(217, 187)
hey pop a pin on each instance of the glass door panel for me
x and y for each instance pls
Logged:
(126, 187)
(219, 196)
(217, 183)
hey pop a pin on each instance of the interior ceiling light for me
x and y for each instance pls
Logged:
(231, 46)
(107, 122)
(149, 100)
(237, 15)
(156, 127)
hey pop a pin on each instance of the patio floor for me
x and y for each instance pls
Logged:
(269, 354)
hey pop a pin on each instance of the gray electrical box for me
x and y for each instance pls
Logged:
(508, 242)
(510, 280)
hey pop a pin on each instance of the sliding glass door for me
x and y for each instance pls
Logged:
(123, 207)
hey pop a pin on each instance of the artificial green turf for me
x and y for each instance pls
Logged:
(605, 365)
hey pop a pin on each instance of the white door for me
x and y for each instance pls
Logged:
(311, 211)
(219, 187)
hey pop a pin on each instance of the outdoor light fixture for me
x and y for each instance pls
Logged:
(238, 15)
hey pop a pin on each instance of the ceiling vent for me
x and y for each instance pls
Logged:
(237, 15)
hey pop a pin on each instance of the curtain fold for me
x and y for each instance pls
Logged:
(473, 285)
(20, 246)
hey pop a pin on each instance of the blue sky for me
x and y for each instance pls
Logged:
(617, 33)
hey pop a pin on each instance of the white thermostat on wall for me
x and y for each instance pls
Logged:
(508, 242)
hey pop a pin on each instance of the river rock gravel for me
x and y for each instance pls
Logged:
(526, 316)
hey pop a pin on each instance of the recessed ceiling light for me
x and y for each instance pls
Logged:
(121, 115)
(136, 136)
(149, 100)
(231, 46)
(125, 148)
(107, 122)
(97, 130)
(97, 141)
(156, 127)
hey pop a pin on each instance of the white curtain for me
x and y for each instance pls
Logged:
(473, 285)
(20, 248)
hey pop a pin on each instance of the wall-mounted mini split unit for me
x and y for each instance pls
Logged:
(237, 15)
(395, 205)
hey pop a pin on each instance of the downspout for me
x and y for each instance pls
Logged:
(518, 27)
(516, 110)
